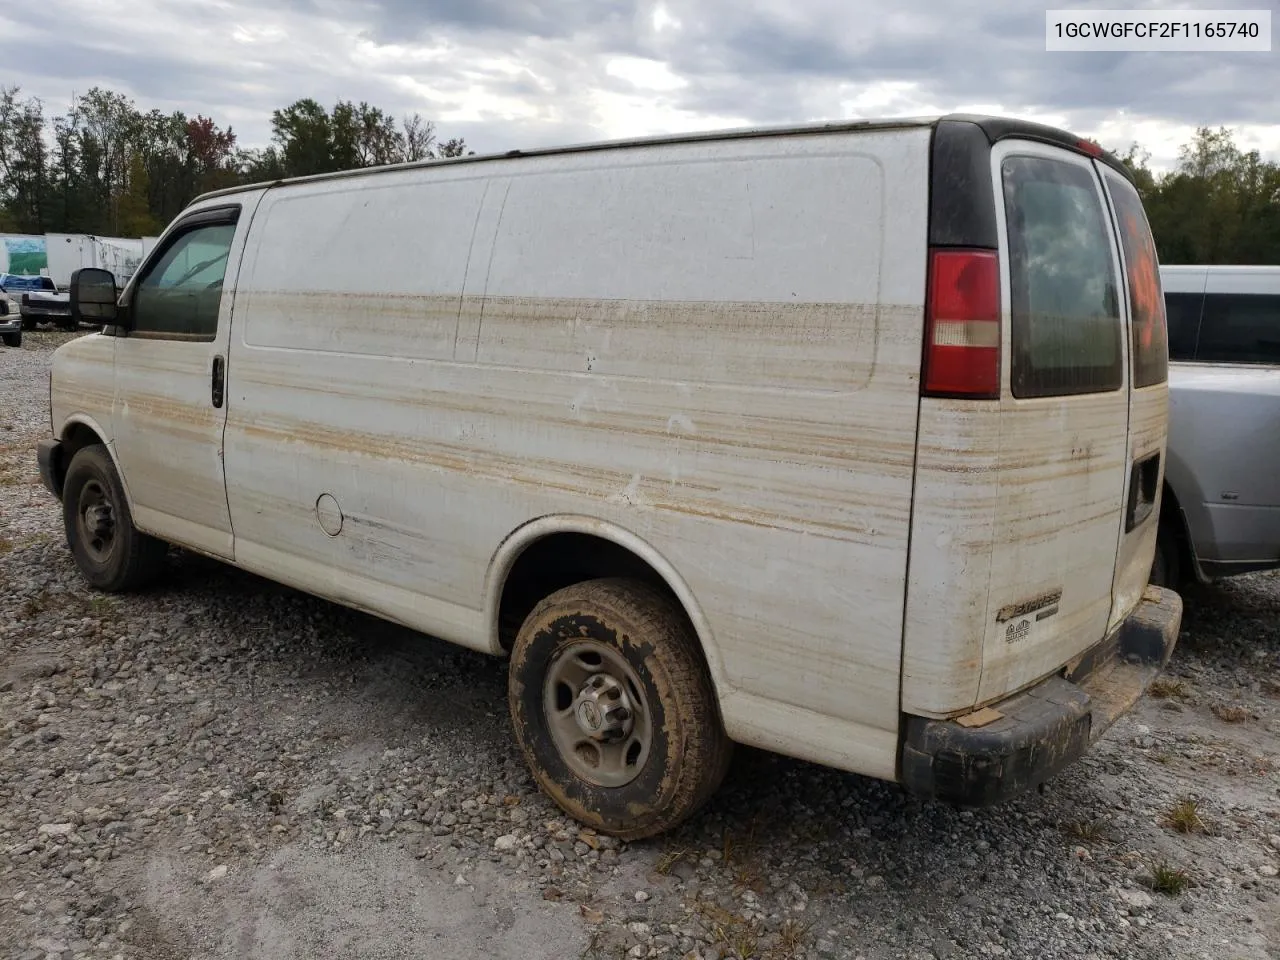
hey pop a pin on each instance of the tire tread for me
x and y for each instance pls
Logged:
(703, 755)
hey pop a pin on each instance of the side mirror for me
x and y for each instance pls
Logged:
(93, 296)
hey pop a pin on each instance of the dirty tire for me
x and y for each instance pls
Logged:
(132, 559)
(688, 752)
(12, 339)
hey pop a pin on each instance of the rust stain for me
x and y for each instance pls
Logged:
(548, 474)
(980, 718)
(820, 346)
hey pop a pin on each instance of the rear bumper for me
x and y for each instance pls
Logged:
(49, 458)
(10, 323)
(1033, 735)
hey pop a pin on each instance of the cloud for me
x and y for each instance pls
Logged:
(513, 73)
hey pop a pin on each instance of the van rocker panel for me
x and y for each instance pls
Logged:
(1043, 729)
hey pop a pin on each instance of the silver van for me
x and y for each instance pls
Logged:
(1221, 507)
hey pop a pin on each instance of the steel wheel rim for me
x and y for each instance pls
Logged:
(95, 519)
(597, 714)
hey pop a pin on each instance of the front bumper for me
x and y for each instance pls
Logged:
(49, 460)
(1028, 738)
(10, 322)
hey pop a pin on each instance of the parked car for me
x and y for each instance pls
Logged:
(1221, 506)
(651, 419)
(45, 307)
(10, 325)
(14, 286)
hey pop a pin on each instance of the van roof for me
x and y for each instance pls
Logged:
(995, 128)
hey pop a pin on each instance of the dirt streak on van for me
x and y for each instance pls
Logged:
(838, 440)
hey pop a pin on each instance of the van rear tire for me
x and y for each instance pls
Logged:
(110, 552)
(614, 709)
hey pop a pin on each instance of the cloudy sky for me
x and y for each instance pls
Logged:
(520, 73)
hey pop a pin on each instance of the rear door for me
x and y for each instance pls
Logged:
(1144, 306)
(1064, 459)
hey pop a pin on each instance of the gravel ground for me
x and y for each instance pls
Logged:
(221, 767)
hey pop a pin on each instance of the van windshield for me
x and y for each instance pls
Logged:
(1064, 307)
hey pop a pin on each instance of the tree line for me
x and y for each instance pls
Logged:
(105, 167)
(1220, 204)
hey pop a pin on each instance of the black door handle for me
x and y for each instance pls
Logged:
(218, 380)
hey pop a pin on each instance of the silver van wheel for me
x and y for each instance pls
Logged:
(614, 709)
(597, 714)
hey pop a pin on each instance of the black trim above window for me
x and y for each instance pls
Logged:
(224, 213)
(962, 206)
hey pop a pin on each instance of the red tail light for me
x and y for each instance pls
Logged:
(962, 325)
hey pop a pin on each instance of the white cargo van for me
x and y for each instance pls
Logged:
(843, 441)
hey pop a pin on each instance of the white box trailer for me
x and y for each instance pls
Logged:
(69, 252)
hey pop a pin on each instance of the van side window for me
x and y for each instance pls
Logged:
(1065, 307)
(1183, 311)
(1240, 328)
(180, 295)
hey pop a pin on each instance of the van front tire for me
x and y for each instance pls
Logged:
(614, 710)
(111, 553)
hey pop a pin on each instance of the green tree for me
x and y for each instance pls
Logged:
(419, 138)
(134, 211)
(456, 147)
(105, 167)
(303, 133)
(1219, 205)
(310, 140)
(24, 161)
(112, 125)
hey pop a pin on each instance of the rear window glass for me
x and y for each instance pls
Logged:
(1240, 328)
(1183, 313)
(1064, 307)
